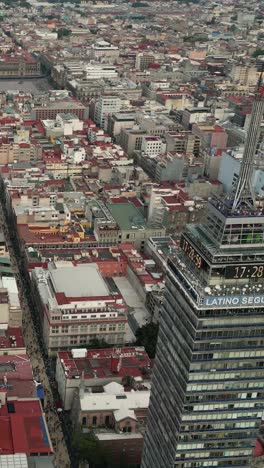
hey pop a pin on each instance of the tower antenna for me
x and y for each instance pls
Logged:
(243, 191)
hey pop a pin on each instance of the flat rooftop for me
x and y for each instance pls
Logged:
(23, 428)
(60, 104)
(133, 362)
(127, 216)
(124, 117)
(120, 403)
(11, 338)
(78, 281)
(18, 372)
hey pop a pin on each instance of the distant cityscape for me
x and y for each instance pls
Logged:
(131, 234)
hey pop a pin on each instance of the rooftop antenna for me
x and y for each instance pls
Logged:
(243, 190)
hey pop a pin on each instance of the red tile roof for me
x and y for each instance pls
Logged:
(134, 361)
(12, 338)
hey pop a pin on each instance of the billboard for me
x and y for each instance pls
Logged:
(215, 302)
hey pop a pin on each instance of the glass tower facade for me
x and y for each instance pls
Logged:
(208, 384)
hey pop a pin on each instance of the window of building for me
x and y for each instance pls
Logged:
(94, 420)
(54, 341)
(84, 421)
(55, 329)
(102, 327)
(112, 327)
(93, 328)
(64, 329)
(107, 420)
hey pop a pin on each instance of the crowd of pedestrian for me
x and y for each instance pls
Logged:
(31, 328)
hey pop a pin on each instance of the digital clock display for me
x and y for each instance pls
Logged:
(244, 271)
(192, 254)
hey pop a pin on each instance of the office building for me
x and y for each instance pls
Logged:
(78, 306)
(207, 389)
(106, 104)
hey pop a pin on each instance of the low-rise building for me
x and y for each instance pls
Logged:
(171, 166)
(132, 225)
(96, 367)
(11, 341)
(19, 65)
(104, 50)
(117, 417)
(194, 115)
(131, 139)
(16, 375)
(76, 311)
(49, 107)
(153, 145)
(119, 120)
(23, 429)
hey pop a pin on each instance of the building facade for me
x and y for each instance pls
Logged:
(207, 388)
(107, 104)
(75, 312)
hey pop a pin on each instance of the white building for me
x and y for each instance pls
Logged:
(75, 154)
(70, 123)
(229, 170)
(46, 34)
(104, 51)
(194, 115)
(98, 71)
(107, 104)
(152, 145)
(244, 74)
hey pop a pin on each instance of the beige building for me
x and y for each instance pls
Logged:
(183, 142)
(26, 152)
(118, 418)
(6, 153)
(133, 227)
(131, 139)
(143, 60)
(244, 74)
(19, 152)
(77, 367)
(76, 311)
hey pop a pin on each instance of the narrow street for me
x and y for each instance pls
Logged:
(31, 327)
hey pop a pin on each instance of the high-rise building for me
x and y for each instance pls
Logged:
(106, 104)
(208, 389)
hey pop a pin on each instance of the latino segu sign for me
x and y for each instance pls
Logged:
(215, 302)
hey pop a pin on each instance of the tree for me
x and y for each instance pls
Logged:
(147, 337)
(62, 32)
(140, 5)
(24, 4)
(88, 449)
(258, 52)
(96, 343)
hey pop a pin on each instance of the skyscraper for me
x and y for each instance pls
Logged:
(208, 384)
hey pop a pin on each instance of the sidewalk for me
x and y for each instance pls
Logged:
(61, 455)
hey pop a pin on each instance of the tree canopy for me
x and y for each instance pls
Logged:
(62, 32)
(140, 5)
(88, 449)
(258, 52)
